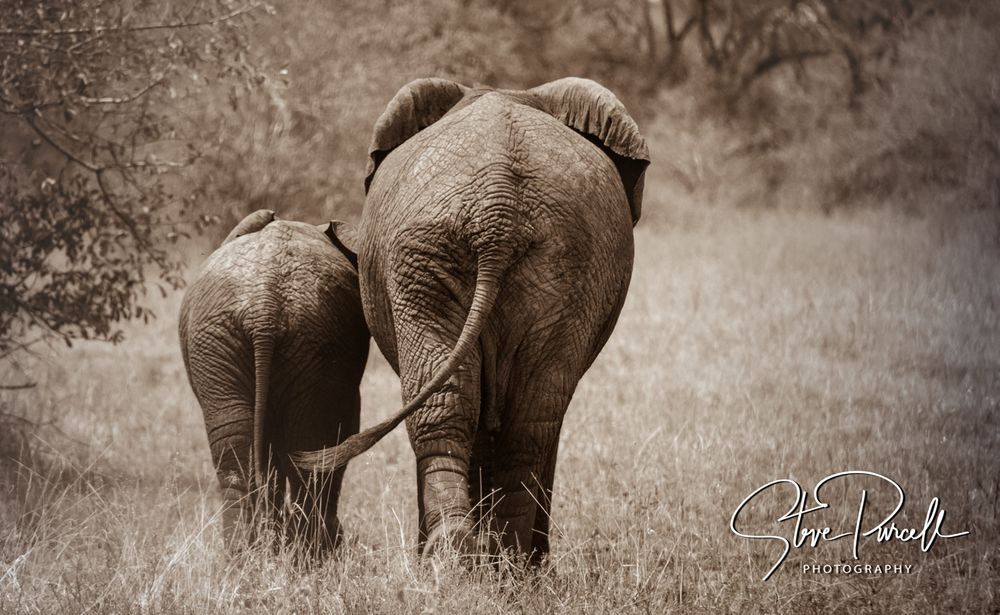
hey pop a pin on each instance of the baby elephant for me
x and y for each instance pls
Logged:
(275, 344)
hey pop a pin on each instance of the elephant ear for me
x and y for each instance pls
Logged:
(592, 110)
(417, 105)
(345, 237)
(251, 224)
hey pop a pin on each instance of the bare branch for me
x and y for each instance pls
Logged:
(107, 100)
(774, 61)
(705, 30)
(649, 31)
(163, 26)
(19, 347)
(6, 109)
(18, 387)
(675, 35)
(687, 27)
(668, 18)
(65, 152)
(152, 164)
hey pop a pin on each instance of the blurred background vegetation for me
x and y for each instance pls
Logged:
(131, 125)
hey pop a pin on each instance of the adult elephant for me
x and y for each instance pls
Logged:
(495, 257)
(275, 344)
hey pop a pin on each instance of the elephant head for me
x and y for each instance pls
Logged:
(494, 258)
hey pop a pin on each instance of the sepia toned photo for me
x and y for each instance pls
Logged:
(485, 306)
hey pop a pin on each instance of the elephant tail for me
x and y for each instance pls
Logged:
(263, 350)
(490, 269)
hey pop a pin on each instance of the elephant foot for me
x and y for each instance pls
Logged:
(458, 538)
(312, 540)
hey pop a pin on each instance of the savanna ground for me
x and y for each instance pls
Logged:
(753, 346)
(805, 301)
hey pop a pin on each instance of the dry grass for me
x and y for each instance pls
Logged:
(753, 346)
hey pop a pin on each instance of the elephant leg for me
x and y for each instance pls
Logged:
(228, 426)
(525, 459)
(221, 377)
(247, 509)
(540, 532)
(270, 500)
(441, 434)
(237, 505)
(442, 442)
(313, 518)
(481, 482)
(321, 410)
(520, 478)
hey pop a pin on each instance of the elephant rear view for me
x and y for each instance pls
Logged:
(495, 257)
(275, 343)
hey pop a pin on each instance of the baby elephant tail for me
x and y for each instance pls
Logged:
(263, 350)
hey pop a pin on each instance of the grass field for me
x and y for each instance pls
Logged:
(755, 345)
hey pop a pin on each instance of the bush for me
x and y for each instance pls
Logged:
(299, 144)
(96, 160)
(934, 126)
(925, 135)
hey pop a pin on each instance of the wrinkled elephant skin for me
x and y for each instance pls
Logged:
(275, 344)
(497, 237)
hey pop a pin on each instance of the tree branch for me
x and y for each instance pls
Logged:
(65, 152)
(774, 61)
(668, 18)
(164, 26)
(649, 32)
(708, 42)
(108, 100)
(106, 193)
(687, 27)
(127, 221)
(6, 109)
(17, 347)
(18, 387)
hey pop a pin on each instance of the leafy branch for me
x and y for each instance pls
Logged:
(95, 167)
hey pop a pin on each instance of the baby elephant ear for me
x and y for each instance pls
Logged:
(251, 224)
(417, 105)
(345, 237)
(592, 110)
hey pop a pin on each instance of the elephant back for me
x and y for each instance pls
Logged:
(581, 104)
